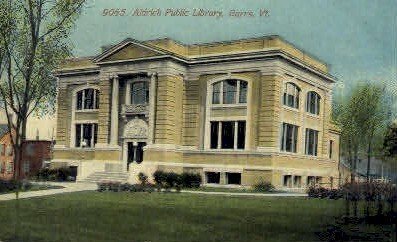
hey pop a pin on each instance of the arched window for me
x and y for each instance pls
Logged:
(313, 103)
(291, 95)
(140, 92)
(229, 91)
(87, 99)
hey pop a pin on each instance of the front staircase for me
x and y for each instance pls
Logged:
(107, 176)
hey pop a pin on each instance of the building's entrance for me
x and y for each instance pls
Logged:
(135, 152)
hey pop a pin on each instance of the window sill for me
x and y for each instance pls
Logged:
(291, 108)
(241, 150)
(83, 149)
(289, 152)
(311, 115)
(232, 105)
(87, 110)
(311, 155)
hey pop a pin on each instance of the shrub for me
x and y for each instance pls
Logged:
(335, 194)
(115, 186)
(159, 178)
(321, 192)
(58, 174)
(263, 186)
(190, 180)
(143, 178)
(172, 180)
(125, 187)
(102, 186)
(312, 192)
(12, 185)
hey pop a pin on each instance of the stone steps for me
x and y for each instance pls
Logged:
(106, 176)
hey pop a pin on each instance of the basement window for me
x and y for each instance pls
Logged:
(311, 181)
(297, 181)
(233, 178)
(213, 177)
(287, 181)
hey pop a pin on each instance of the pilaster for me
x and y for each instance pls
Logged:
(114, 112)
(104, 111)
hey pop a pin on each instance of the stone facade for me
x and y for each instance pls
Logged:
(156, 110)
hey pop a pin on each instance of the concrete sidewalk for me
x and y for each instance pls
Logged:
(68, 187)
(243, 194)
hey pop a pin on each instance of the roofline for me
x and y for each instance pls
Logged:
(261, 37)
(207, 59)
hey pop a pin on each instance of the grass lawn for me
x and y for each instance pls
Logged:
(94, 216)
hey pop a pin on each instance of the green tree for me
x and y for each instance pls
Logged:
(363, 117)
(390, 141)
(34, 40)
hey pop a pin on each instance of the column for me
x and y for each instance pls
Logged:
(114, 122)
(128, 93)
(152, 106)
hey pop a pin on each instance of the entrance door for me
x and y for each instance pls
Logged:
(139, 152)
(130, 153)
(135, 153)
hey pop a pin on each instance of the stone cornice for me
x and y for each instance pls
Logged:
(211, 59)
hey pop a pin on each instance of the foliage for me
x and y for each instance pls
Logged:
(143, 178)
(12, 185)
(321, 192)
(159, 178)
(263, 186)
(390, 141)
(34, 41)
(124, 187)
(58, 174)
(190, 180)
(170, 180)
(363, 117)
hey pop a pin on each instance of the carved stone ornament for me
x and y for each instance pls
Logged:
(136, 128)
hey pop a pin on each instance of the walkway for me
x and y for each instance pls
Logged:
(244, 194)
(68, 187)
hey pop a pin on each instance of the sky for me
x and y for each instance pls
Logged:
(357, 38)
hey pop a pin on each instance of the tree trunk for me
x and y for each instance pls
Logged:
(369, 159)
(355, 200)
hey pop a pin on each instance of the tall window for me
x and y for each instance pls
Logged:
(289, 137)
(229, 92)
(311, 142)
(291, 95)
(86, 135)
(216, 91)
(313, 103)
(140, 92)
(87, 99)
(243, 92)
(227, 135)
(331, 146)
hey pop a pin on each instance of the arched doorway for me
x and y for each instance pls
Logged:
(134, 139)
